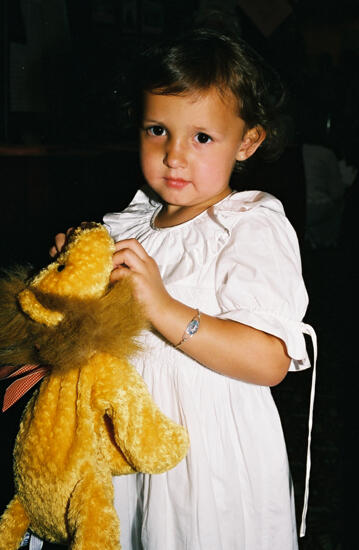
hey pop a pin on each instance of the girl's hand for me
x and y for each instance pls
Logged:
(60, 241)
(131, 258)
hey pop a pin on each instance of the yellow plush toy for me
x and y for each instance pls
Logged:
(92, 416)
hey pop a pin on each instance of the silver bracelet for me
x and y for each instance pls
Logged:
(191, 328)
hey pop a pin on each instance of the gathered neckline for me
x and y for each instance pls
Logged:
(188, 222)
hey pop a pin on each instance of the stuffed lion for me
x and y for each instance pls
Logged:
(92, 416)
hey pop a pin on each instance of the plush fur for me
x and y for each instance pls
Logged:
(92, 416)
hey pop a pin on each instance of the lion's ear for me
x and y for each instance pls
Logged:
(32, 307)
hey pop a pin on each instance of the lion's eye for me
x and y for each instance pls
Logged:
(61, 267)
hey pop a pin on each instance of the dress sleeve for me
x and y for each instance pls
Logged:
(259, 280)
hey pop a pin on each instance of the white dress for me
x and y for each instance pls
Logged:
(238, 260)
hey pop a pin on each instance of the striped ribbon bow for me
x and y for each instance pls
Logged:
(22, 385)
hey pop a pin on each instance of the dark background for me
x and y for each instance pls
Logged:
(66, 155)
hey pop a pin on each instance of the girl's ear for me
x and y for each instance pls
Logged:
(250, 142)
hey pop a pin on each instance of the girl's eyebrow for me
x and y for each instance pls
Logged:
(204, 129)
(153, 121)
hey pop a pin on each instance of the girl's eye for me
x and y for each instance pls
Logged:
(157, 131)
(203, 138)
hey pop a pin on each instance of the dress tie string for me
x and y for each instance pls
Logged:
(307, 329)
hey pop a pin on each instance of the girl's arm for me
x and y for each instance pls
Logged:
(226, 346)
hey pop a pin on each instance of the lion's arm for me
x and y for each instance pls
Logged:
(150, 441)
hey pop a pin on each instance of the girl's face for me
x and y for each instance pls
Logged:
(189, 144)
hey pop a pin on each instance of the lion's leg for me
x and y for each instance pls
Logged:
(92, 519)
(13, 525)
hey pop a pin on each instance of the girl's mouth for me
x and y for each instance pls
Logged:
(176, 183)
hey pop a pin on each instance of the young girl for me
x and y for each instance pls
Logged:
(219, 275)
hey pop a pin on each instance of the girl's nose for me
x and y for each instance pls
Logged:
(175, 156)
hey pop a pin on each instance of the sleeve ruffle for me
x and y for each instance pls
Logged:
(259, 280)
